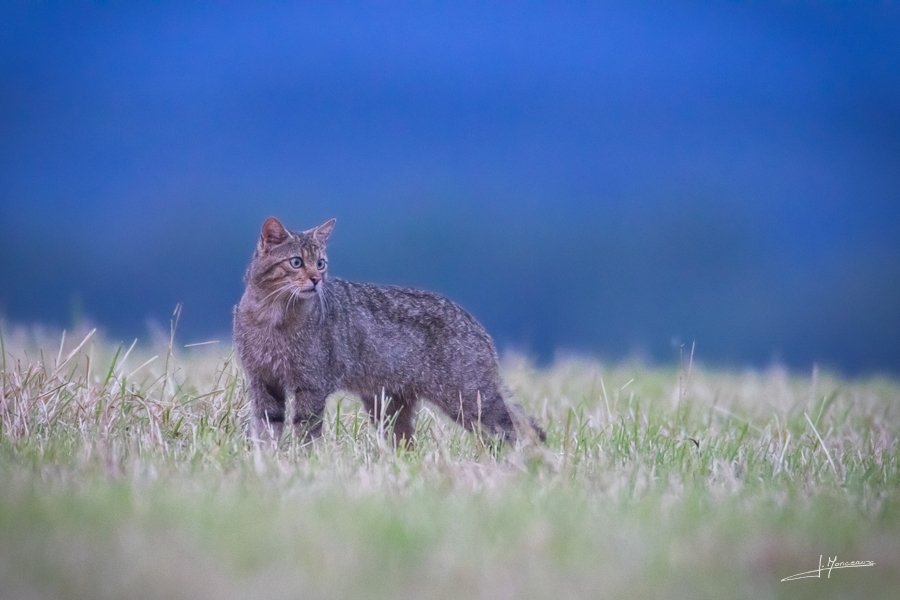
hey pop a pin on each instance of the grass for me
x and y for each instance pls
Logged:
(124, 475)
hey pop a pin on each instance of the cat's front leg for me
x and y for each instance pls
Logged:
(309, 413)
(268, 410)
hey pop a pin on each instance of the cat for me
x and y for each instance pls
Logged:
(299, 331)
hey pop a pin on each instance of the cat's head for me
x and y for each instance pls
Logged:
(289, 263)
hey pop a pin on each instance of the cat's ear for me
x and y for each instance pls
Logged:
(322, 232)
(273, 233)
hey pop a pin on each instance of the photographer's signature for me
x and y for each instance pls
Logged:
(833, 563)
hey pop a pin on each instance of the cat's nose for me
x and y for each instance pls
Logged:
(315, 279)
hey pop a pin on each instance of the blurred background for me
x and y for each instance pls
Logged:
(610, 179)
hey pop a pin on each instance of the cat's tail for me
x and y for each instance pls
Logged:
(542, 435)
(526, 425)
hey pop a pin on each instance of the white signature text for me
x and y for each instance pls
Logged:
(833, 563)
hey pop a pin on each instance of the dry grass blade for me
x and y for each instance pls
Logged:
(822, 442)
(73, 352)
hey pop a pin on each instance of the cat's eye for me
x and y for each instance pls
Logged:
(296, 262)
(321, 264)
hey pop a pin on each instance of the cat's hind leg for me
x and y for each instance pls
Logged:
(396, 413)
(494, 417)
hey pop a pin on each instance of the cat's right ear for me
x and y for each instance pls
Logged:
(324, 230)
(273, 233)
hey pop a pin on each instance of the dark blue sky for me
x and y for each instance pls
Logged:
(606, 179)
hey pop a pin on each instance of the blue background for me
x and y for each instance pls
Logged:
(610, 179)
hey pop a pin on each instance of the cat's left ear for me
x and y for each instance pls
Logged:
(273, 233)
(322, 232)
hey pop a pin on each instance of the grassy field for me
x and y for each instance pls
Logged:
(128, 474)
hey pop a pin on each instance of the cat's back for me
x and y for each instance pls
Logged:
(397, 307)
(411, 339)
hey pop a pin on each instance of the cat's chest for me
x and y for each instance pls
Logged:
(285, 355)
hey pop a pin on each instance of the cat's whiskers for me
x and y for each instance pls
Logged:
(290, 299)
(323, 302)
(283, 288)
(295, 295)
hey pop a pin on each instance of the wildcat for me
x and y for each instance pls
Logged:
(299, 331)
